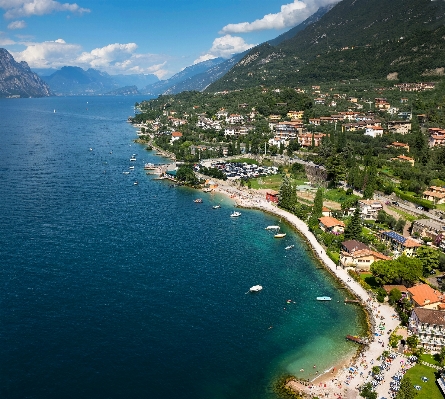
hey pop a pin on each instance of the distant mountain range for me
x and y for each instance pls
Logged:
(17, 79)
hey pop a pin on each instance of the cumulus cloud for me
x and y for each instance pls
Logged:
(225, 47)
(114, 58)
(290, 15)
(26, 8)
(17, 25)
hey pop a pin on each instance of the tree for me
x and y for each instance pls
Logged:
(353, 229)
(412, 341)
(442, 355)
(186, 175)
(394, 296)
(367, 392)
(429, 257)
(406, 390)
(288, 194)
(400, 225)
(317, 210)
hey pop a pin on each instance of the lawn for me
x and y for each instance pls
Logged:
(272, 182)
(406, 215)
(338, 195)
(432, 359)
(429, 390)
(370, 280)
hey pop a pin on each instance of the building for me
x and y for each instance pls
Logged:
(404, 158)
(422, 295)
(429, 326)
(399, 244)
(331, 225)
(399, 145)
(401, 127)
(435, 194)
(436, 140)
(369, 209)
(272, 196)
(374, 131)
(361, 259)
(310, 139)
(428, 228)
(295, 115)
(175, 136)
(350, 246)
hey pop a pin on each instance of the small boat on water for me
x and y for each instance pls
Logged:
(255, 288)
(290, 246)
(280, 235)
(324, 298)
(132, 159)
(131, 167)
(235, 214)
(216, 206)
(197, 200)
(149, 166)
(272, 228)
(126, 172)
(135, 183)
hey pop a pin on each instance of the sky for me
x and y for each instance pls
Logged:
(159, 37)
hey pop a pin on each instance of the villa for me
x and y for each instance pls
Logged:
(423, 296)
(332, 225)
(429, 325)
(399, 244)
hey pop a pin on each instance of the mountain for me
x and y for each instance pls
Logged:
(124, 91)
(200, 81)
(292, 32)
(17, 79)
(187, 73)
(367, 39)
(69, 81)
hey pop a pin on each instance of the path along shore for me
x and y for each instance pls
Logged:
(340, 381)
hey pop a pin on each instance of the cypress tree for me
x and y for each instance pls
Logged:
(353, 229)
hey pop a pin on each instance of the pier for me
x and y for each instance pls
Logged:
(356, 301)
(355, 339)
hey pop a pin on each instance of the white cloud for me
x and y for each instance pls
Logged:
(114, 58)
(26, 8)
(225, 47)
(17, 25)
(289, 16)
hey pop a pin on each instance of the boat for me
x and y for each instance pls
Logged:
(197, 200)
(324, 298)
(149, 166)
(126, 172)
(216, 206)
(235, 214)
(132, 159)
(255, 288)
(135, 183)
(131, 167)
(290, 246)
(272, 228)
(280, 235)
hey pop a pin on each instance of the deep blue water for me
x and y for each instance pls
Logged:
(115, 290)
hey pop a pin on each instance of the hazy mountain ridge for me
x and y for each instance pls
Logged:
(17, 79)
(177, 79)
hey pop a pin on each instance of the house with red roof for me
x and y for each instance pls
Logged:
(331, 225)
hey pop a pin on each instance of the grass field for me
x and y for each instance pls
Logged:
(429, 390)
(338, 195)
(433, 359)
(369, 279)
(272, 182)
(406, 215)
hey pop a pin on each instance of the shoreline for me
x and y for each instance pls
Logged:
(338, 380)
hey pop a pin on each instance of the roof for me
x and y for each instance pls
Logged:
(176, 134)
(330, 222)
(430, 316)
(368, 252)
(423, 294)
(405, 241)
(401, 288)
(354, 245)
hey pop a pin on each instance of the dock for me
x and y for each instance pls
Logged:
(355, 339)
(352, 301)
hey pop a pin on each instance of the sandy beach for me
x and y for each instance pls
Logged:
(344, 379)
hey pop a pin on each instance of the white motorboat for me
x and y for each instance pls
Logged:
(272, 228)
(290, 246)
(280, 235)
(216, 206)
(324, 298)
(131, 167)
(235, 214)
(255, 288)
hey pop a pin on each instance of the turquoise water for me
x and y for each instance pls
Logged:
(110, 289)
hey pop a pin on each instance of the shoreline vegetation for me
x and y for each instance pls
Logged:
(333, 380)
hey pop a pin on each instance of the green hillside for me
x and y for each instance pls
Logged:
(365, 39)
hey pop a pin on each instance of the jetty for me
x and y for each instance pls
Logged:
(356, 339)
(356, 301)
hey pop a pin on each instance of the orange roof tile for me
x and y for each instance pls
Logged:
(423, 294)
(329, 222)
